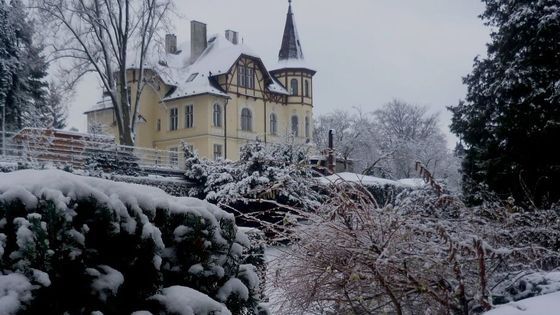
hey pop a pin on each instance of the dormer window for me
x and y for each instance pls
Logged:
(245, 77)
(294, 87)
(192, 77)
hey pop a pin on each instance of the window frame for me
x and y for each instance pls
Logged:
(294, 87)
(217, 115)
(295, 126)
(273, 124)
(189, 116)
(218, 151)
(306, 88)
(246, 120)
(173, 118)
(246, 77)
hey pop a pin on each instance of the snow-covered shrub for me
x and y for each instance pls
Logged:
(423, 254)
(111, 159)
(526, 285)
(81, 245)
(268, 179)
(174, 186)
(6, 167)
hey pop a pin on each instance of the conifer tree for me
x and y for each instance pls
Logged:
(510, 118)
(8, 54)
(30, 101)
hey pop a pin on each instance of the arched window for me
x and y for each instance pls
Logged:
(306, 88)
(217, 116)
(294, 87)
(307, 127)
(273, 124)
(295, 125)
(246, 119)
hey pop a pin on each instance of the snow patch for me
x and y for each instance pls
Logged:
(538, 305)
(186, 301)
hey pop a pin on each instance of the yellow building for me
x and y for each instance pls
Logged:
(216, 94)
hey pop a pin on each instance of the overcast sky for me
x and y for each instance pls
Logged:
(366, 52)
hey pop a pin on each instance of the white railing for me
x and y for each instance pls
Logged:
(44, 149)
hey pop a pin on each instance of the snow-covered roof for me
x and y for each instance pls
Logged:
(292, 64)
(371, 180)
(104, 103)
(195, 78)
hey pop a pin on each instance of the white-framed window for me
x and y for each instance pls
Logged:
(189, 116)
(173, 156)
(173, 118)
(295, 125)
(246, 120)
(306, 87)
(294, 87)
(217, 115)
(217, 151)
(246, 77)
(307, 127)
(273, 124)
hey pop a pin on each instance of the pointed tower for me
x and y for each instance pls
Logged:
(291, 46)
(296, 75)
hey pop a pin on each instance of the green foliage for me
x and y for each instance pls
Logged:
(65, 247)
(510, 118)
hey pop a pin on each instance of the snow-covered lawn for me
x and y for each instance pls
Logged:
(548, 304)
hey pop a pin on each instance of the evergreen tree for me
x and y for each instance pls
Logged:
(28, 98)
(510, 118)
(52, 112)
(8, 54)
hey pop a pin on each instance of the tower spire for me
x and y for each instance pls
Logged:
(291, 46)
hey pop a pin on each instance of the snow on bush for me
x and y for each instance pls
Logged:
(423, 254)
(15, 290)
(268, 177)
(80, 245)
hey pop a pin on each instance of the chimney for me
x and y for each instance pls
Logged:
(198, 39)
(171, 44)
(232, 36)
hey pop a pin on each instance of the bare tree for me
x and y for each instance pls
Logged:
(413, 135)
(425, 254)
(105, 37)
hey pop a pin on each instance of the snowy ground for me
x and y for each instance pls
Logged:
(273, 256)
(548, 304)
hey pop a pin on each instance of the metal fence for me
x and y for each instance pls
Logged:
(38, 148)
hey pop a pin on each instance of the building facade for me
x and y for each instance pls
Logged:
(216, 94)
